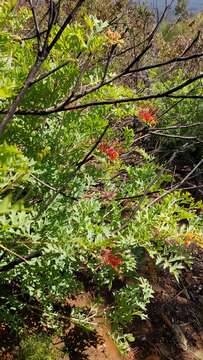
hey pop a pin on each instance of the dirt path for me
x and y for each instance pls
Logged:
(91, 346)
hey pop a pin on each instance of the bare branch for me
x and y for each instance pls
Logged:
(93, 148)
(42, 55)
(177, 186)
(33, 9)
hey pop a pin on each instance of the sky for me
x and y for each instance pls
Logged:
(193, 5)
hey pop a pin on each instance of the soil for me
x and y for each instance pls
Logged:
(174, 329)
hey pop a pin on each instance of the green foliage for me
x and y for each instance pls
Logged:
(37, 347)
(131, 301)
(15, 218)
(181, 8)
(92, 222)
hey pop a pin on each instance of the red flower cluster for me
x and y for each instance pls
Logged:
(109, 151)
(109, 259)
(148, 115)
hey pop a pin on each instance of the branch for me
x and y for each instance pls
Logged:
(178, 126)
(34, 15)
(18, 261)
(11, 112)
(51, 72)
(65, 24)
(30, 37)
(108, 62)
(194, 187)
(50, 187)
(177, 186)
(60, 108)
(174, 136)
(93, 148)
(123, 73)
(168, 62)
(192, 43)
(39, 61)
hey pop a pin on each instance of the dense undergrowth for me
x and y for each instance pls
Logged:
(87, 192)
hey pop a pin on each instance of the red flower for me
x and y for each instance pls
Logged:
(109, 151)
(147, 115)
(109, 259)
(112, 153)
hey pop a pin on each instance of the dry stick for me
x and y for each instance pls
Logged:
(167, 7)
(151, 66)
(78, 80)
(18, 261)
(103, 83)
(192, 43)
(174, 136)
(54, 189)
(194, 187)
(137, 59)
(33, 72)
(43, 76)
(33, 36)
(44, 183)
(51, 18)
(167, 93)
(65, 24)
(184, 52)
(138, 206)
(176, 186)
(82, 162)
(195, 97)
(61, 106)
(58, 191)
(45, 52)
(122, 52)
(179, 126)
(108, 62)
(21, 258)
(167, 62)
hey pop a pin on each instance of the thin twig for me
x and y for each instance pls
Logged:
(177, 185)
(12, 253)
(34, 15)
(93, 148)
